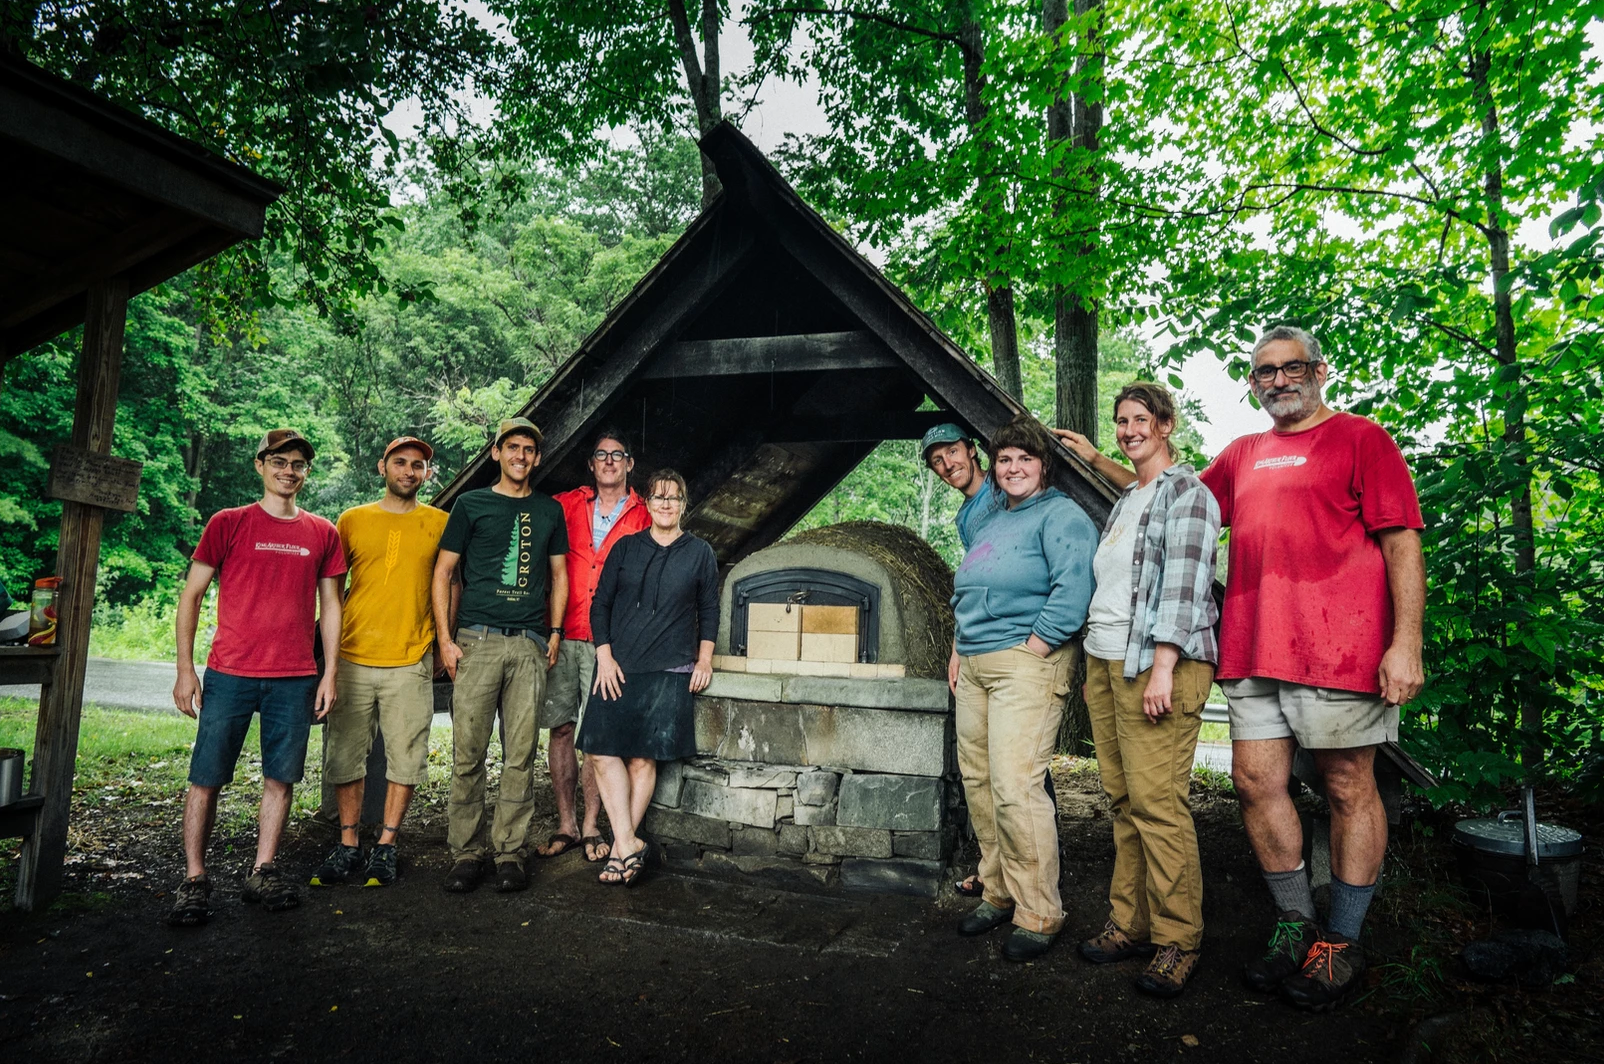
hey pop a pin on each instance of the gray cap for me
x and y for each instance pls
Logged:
(946, 432)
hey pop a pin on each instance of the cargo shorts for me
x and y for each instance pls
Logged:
(397, 701)
(1319, 718)
(568, 684)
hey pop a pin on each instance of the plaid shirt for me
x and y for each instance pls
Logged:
(1172, 571)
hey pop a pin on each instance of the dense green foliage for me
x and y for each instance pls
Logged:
(1383, 173)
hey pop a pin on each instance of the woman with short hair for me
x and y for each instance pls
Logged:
(1019, 599)
(654, 619)
(1150, 652)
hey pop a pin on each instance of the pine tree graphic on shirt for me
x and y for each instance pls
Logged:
(509, 568)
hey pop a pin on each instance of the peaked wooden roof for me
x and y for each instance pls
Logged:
(89, 190)
(763, 357)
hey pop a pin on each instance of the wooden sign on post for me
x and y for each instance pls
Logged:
(94, 479)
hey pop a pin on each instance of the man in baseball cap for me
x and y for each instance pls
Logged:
(278, 440)
(387, 660)
(950, 453)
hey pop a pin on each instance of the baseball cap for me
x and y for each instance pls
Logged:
(408, 441)
(944, 433)
(282, 440)
(514, 424)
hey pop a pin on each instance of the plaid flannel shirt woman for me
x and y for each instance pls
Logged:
(1172, 571)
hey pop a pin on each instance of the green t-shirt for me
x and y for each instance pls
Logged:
(504, 542)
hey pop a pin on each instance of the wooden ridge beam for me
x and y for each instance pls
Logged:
(800, 353)
(870, 427)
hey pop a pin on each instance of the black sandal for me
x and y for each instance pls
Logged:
(634, 866)
(614, 867)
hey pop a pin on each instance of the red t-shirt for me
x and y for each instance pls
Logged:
(267, 573)
(1306, 596)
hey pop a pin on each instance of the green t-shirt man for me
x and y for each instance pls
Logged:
(505, 542)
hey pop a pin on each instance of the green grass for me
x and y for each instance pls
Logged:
(112, 744)
(143, 631)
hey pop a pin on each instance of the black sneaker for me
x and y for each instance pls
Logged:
(381, 866)
(511, 877)
(271, 890)
(192, 902)
(1335, 965)
(1288, 948)
(464, 876)
(341, 864)
(1025, 945)
(984, 917)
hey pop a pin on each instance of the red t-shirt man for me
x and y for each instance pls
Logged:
(267, 573)
(1306, 594)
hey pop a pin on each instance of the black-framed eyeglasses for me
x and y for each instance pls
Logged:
(278, 465)
(671, 500)
(1295, 370)
(610, 456)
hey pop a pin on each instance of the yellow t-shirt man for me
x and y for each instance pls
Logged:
(388, 621)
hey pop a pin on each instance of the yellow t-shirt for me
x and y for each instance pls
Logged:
(388, 621)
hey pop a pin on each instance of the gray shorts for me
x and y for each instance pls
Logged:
(568, 684)
(1320, 718)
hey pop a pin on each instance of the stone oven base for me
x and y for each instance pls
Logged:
(802, 827)
(815, 784)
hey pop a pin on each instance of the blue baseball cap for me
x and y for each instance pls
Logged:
(944, 433)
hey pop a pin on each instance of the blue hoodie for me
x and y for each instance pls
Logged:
(1028, 570)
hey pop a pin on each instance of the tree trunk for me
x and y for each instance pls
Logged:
(999, 287)
(701, 79)
(1531, 713)
(1075, 321)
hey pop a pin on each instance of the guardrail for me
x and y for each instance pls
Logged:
(1214, 713)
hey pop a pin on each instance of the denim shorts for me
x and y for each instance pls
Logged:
(227, 704)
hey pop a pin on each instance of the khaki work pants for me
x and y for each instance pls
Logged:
(1157, 890)
(509, 671)
(1009, 705)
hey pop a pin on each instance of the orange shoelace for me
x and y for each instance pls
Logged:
(1322, 951)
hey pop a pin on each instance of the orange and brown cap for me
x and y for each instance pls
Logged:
(408, 441)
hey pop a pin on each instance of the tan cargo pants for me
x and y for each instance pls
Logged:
(509, 671)
(1157, 889)
(1009, 705)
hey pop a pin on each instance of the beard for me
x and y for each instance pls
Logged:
(401, 492)
(1292, 403)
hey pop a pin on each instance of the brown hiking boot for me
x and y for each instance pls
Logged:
(1335, 966)
(1168, 972)
(1112, 944)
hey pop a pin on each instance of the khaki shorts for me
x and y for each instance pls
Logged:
(1320, 718)
(397, 701)
(568, 684)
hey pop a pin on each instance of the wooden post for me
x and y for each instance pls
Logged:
(77, 558)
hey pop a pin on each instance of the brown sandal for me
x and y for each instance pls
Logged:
(594, 844)
(562, 840)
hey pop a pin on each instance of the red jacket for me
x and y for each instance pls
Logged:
(585, 564)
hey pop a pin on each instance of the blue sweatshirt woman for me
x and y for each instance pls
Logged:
(1028, 570)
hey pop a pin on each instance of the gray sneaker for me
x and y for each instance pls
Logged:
(270, 889)
(192, 902)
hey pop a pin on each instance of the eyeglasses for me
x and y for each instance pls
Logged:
(667, 500)
(610, 456)
(1295, 370)
(279, 465)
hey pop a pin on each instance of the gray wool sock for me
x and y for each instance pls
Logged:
(1348, 906)
(1291, 891)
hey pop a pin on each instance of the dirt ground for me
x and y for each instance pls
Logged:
(677, 968)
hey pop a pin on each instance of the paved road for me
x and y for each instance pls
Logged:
(148, 686)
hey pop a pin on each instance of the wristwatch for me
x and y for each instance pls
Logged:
(556, 631)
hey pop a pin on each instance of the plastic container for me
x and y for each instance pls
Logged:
(1492, 857)
(42, 616)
